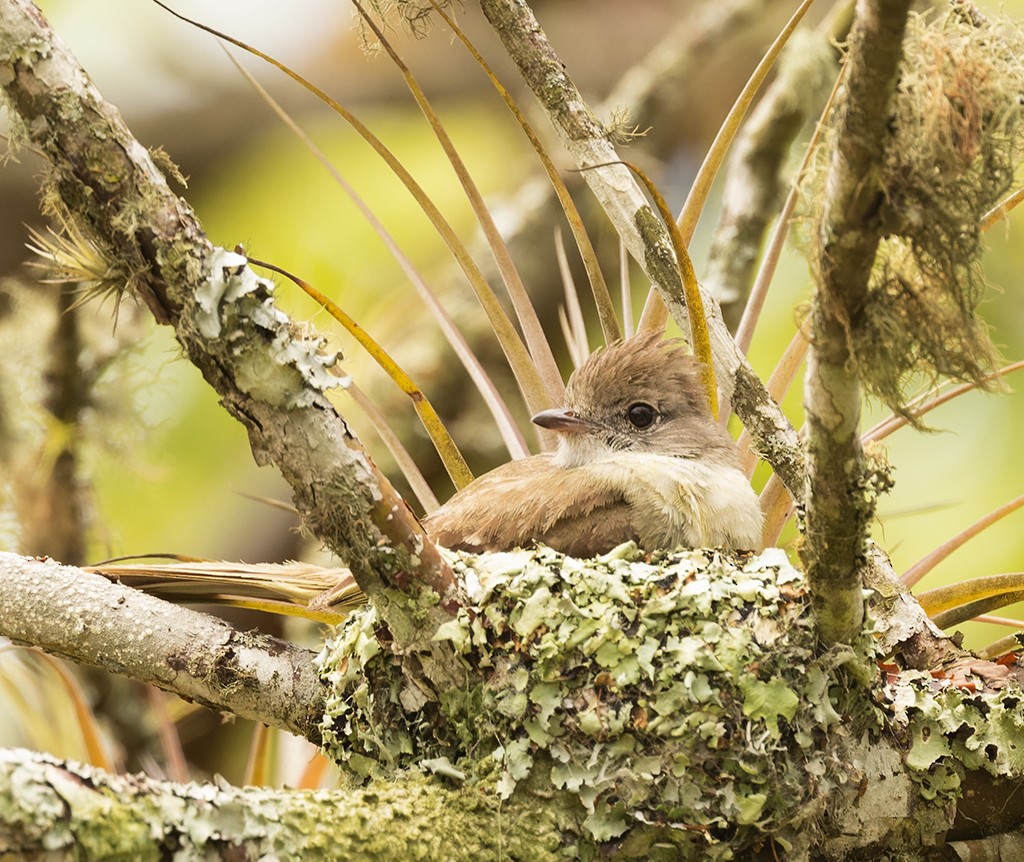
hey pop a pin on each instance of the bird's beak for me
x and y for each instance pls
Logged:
(562, 420)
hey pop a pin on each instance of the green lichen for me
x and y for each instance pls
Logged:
(651, 689)
(230, 301)
(951, 729)
(659, 258)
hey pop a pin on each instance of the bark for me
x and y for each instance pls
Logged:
(840, 491)
(84, 617)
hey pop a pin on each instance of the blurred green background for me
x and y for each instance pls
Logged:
(169, 467)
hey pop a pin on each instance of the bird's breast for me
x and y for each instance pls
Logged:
(683, 501)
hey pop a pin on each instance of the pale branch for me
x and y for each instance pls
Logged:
(755, 180)
(269, 372)
(586, 140)
(902, 629)
(82, 616)
(839, 495)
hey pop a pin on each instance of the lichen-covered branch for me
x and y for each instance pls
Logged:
(839, 495)
(587, 142)
(61, 810)
(82, 616)
(269, 373)
(902, 629)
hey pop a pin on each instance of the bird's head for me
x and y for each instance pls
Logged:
(638, 395)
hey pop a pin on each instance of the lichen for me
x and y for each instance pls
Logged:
(233, 297)
(659, 258)
(651, 688)
(950, 728)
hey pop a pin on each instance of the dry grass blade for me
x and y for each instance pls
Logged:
(523, 367)
(284, 589)
(700, 338)
(602, 298)
(312, 776)
(1002, 647)
(507, 427)
(925, 403)
(965, 600)
(626, 290)
(1002, 209)
(92, 734)
(403, 460)
(170, 739)
(536, 340)
(452, 458)
(777, 506)
(926, 564)
(258, 764)
(1000, 621)
(571, 315)
(655, 312)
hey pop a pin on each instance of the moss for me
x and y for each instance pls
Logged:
(651, 690)
(956, 141)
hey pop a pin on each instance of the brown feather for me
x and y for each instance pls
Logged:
(522, 508)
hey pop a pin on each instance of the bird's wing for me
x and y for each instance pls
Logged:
(515, 504)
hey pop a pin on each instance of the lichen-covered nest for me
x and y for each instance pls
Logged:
(652, 689)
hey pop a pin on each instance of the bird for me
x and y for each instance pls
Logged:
(639, 458)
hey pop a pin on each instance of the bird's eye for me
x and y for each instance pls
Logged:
(641, 414)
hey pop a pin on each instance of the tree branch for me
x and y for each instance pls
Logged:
(269, 375)
(678, 705)
(838, 495)
(586, 141)
(84, 617)
(57, 809)
(755, 180)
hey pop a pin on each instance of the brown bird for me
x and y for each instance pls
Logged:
(639, 457)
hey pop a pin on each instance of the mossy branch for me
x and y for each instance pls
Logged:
(677, 708)
(839, 494)
(61, 810)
